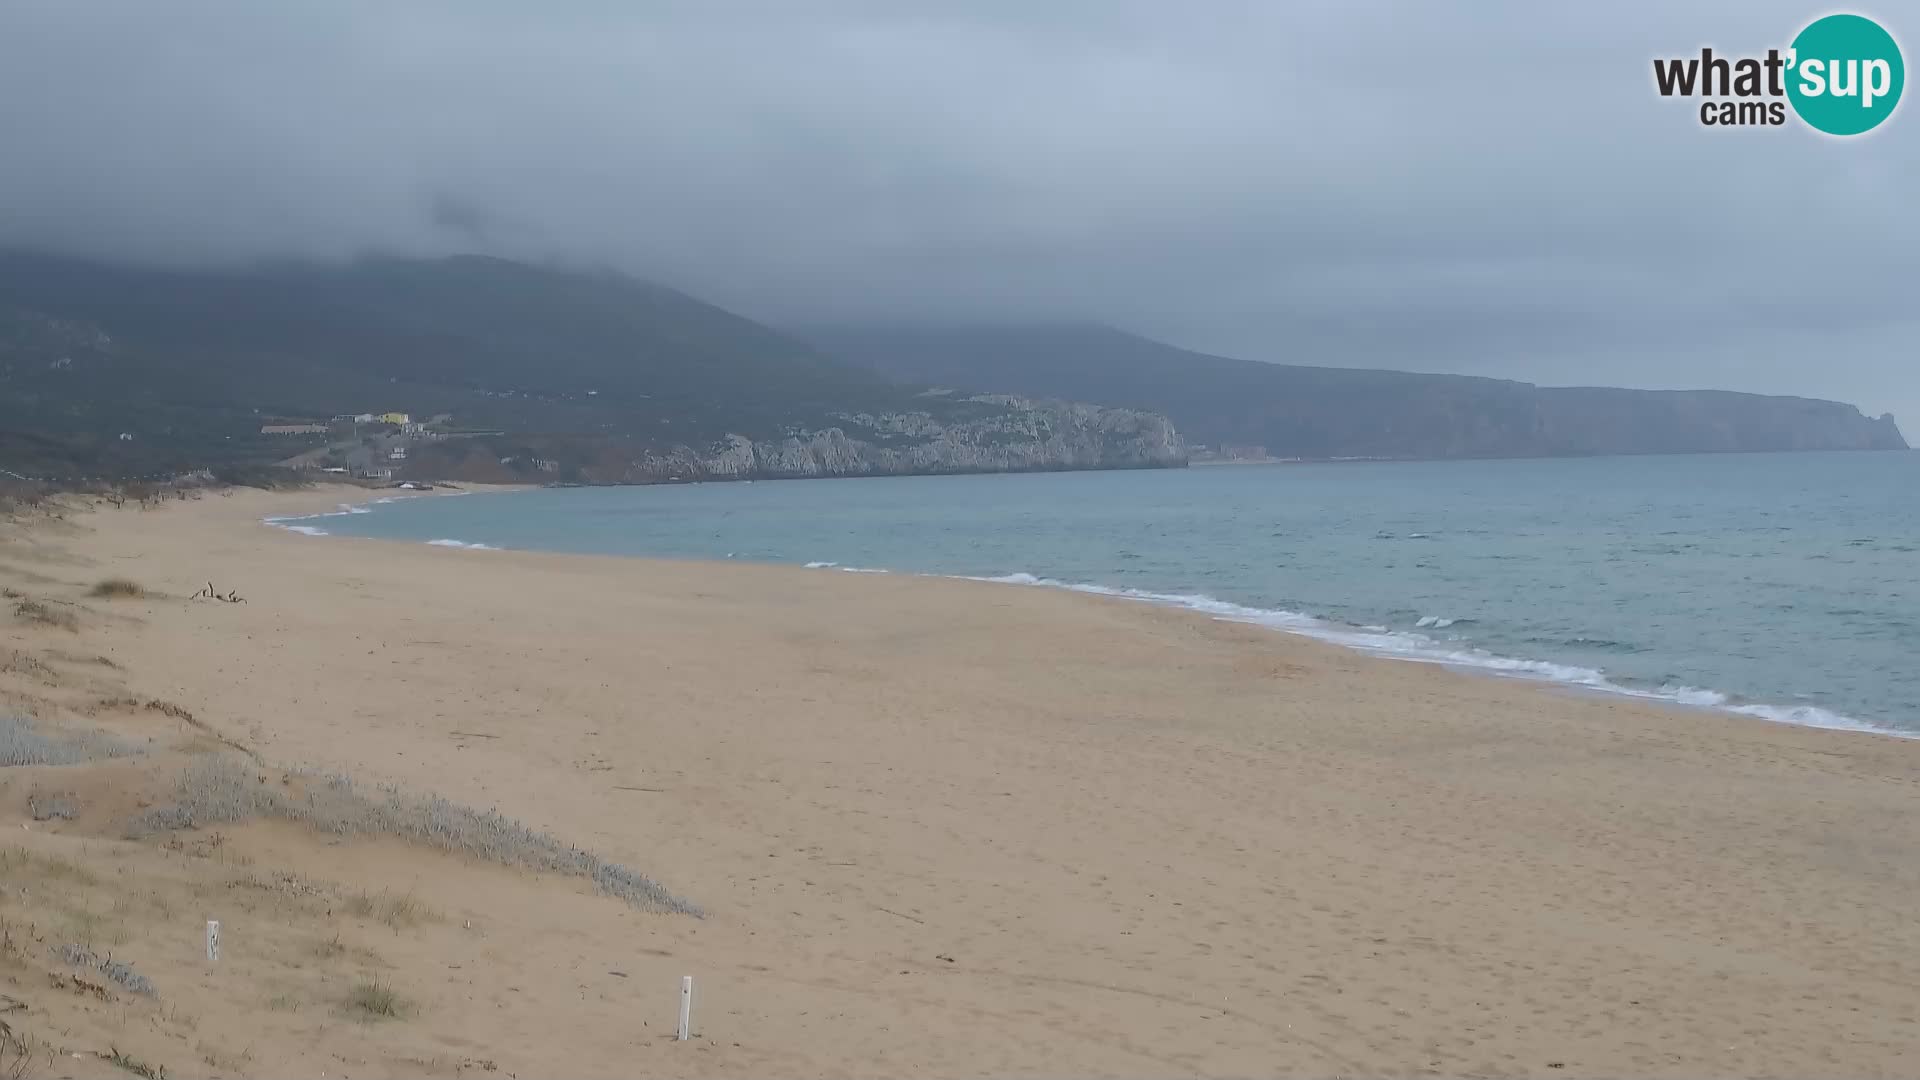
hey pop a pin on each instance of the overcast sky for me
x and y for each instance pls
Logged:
(1481, 187)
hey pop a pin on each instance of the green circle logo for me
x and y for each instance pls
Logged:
(1845, 74)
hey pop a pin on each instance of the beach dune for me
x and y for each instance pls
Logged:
(956, 828)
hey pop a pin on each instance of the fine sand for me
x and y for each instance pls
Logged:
(937, 828)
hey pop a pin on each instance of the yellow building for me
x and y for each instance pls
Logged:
(395, 418)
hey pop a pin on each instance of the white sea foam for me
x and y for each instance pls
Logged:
(1419, 648)
(292, 523)
(1376, 640)
(1812, 716)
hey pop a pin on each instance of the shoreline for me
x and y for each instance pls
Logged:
(948, 830)
(1406, 646)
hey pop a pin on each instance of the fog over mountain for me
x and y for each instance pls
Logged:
(1489, 189)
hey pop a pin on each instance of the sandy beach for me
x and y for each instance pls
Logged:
(936, 828)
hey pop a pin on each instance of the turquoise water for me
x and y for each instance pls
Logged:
(1784, 585)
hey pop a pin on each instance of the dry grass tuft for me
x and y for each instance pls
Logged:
(217, 790)
(135, 1066)
(395, 910)
(52, 805)
(20, 1057)
(32, 867)
(117, 589)
(336, 949)
(376, 1000)
(41, 613)
(224, 1061)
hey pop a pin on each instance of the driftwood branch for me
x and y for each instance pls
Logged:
(231, 596)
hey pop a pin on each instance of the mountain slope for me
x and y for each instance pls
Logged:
(608, 376)
(1321, 412)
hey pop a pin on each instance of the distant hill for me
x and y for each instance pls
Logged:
(1324, 412)
(595, 376)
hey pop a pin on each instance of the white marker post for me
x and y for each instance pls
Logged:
(686, 1006)
(213, 941)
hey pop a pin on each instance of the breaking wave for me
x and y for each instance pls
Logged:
(1419, 648)
(1414, 645)
(293, 522)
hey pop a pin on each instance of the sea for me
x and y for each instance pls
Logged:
(1783, 586)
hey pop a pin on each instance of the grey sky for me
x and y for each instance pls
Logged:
(1483, 187)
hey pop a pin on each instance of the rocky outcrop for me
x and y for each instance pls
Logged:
(988, 433)
(1594, 420)
(1008, 435)
(1325, 412)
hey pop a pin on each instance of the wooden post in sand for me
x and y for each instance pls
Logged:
(686, 1006)
(213, 941)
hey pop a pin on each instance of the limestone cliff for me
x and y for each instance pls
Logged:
(993, 433)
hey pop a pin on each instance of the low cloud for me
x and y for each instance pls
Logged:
(1491, 188)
